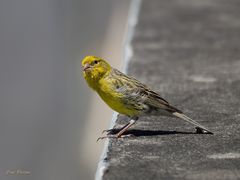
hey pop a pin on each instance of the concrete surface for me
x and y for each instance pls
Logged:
(189, 51)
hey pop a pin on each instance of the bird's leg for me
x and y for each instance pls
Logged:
(123, 129)
(119, 134)
(111, 131)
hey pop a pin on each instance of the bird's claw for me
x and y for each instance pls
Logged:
(202, 131)
(108, 131)
(111, 131)
(107, 136)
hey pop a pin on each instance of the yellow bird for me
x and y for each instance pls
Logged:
(127, 95)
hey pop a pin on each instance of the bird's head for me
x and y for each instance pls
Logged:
(94, 67)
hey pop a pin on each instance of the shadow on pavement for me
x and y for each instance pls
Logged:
(139, 132)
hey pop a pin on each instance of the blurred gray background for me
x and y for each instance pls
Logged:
(50, 119)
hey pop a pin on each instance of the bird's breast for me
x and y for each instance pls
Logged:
(115, 99)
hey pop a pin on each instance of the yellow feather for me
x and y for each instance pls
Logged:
(96, 79)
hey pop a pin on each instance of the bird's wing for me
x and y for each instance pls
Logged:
(138, 93)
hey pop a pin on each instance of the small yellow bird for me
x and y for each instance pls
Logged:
(127, 95)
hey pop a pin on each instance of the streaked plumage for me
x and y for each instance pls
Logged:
(127, 95)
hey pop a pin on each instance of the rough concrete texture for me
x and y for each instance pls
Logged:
(189, 52)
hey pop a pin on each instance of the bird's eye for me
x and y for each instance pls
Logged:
(95, 62)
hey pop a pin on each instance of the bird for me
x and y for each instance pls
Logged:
(128, 96)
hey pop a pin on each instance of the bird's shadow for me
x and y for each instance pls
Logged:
(138, 132)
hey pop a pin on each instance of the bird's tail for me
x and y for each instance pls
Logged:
(188, 119)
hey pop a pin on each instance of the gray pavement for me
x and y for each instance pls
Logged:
(189, 52)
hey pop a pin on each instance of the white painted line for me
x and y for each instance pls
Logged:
(132, 21)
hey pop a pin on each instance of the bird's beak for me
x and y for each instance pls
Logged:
(86, 66)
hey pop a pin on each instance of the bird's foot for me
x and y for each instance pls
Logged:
(109, 131)
(107, 136)
(115, 136)
(202, 131)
